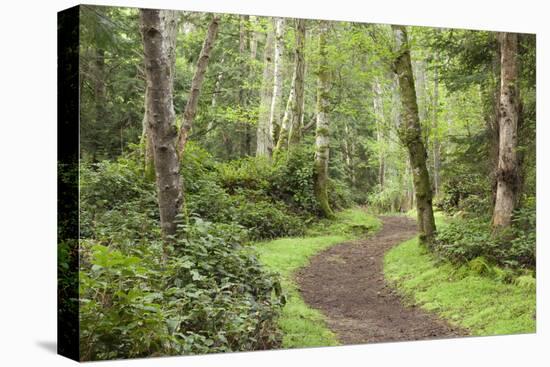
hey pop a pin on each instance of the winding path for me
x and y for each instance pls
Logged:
(346, 283)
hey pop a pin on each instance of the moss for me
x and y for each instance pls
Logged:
(480, 266)
(526, 282)
(480, 303)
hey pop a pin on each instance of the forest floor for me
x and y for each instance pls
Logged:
(346, 283)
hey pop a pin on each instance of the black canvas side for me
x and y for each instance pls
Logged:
(67, 182)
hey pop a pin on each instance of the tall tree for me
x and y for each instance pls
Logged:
(196, 84)
(435, 128)
(161, 116)
(282, 140)
(410, 134)
(171, 32)
(295, 133)
(379, 116)
(264, 140)
(322, 138)
(507, 172)
(291, 130)
(276, 101)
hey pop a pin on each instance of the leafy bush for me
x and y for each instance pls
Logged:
(253, 173)
(464, 240)
(212, 295)
(386, 199)
(293, 179)
(244, 192)
(465, 192)
(267, 220)
(340, 196)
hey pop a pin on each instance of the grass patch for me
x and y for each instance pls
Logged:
(482, 304)
(303, 326)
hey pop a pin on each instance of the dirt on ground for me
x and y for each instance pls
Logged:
(346, 283)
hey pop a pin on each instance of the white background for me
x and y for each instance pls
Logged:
(28, 182)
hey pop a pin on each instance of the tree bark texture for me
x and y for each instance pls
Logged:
(322, 137)
(161, 116)
(196, 85)
(171, 31)
(295, 133)
(276, 101)
(264, 140)
(410, 134)
(507, 172)
(435, 127)
(282, 140)
(379, 115)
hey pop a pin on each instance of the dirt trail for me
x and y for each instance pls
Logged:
(346, 283)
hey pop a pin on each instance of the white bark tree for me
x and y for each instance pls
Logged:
(291, 129)
(276, 101)
(264, 140)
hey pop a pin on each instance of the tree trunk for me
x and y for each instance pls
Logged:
(507, 172)
(379, 115)
(246, 142)
(161, 117)
(254, 38)
(435, 127)
(322, 128)
(264, 141)
(276, 101)
(171, 32)
(196, 85)
(410, 133)
(295, 133)
(147, 144)
(349, 150)
(282, 140)
(214, 100)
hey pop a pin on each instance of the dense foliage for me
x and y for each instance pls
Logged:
(212, 294)
(470, 238)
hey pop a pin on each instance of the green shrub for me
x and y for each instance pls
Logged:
(466, 239)
(293, 179)
(467, 192)
(211, 296)
(252, 173)
(267, 220)
(387, 198)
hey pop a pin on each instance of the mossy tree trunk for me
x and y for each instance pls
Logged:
(410, 134)
(507, 172)
(322, 133)
(435, 127)
(161, 116)
(378, 105)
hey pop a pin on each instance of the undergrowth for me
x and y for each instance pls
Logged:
(481, 298)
